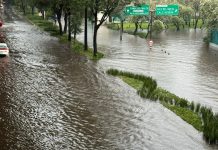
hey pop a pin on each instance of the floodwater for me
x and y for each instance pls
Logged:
(180, 61)
(51, 98)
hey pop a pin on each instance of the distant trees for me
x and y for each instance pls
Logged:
(186, 13)
(209, 9)
(74, 11)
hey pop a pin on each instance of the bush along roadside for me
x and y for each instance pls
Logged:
(200, 117)
(51, 28)
(131, 32)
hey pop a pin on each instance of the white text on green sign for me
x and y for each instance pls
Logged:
(137, 11)
(167, 10)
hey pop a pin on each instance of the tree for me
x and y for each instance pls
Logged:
(186, 13)
(119, 13)
(57, 7)
(86, 28)
(136, 20)
(75, 12)
(76, 22)
(209, 9)
(106, 7)
(32, 4)
(177, 22)
(196, 8)
(23, 6)
(43, 5)
(158, 26)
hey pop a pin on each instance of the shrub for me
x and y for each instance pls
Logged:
(158, 26)
(198, 106)
(192, 106)
(183, 103)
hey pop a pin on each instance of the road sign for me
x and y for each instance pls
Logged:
(137, 10)
(167, 10)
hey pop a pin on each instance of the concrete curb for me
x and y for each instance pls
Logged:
(213, 46)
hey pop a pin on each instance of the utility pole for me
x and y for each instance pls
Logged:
(151, 23)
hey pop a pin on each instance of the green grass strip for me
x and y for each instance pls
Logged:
(187, 115)
(135, 83)
(79, 48)
(200, 117)
(51, 28)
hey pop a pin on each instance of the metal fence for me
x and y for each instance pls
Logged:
(214, 37)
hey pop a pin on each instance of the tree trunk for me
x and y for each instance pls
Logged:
(136, 28)
(177, 27)
(203, 21)
(85, 30)
(95, 41)
(33, 8)
(23, 7)
(95, 35)
(43, 14)
(121, 30)
(59, 22)
(196, 23)
(140, 25)
(110, 19)
(69, 27)
(65, 22)
(74, 36)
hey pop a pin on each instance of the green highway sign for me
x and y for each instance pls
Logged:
(137, 11)
(167, 10)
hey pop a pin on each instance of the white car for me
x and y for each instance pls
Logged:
(4, 50)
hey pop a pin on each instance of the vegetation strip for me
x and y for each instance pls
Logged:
(127, 30)
(200, 117)
(51, 28)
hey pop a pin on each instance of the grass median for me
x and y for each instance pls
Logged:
(200, 117)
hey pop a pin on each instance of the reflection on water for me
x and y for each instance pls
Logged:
(51, 98)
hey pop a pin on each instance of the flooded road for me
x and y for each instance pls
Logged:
(179, 61)
(51, 98)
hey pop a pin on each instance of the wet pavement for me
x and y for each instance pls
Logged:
(51, 98)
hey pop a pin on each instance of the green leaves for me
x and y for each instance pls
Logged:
(158, 26)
